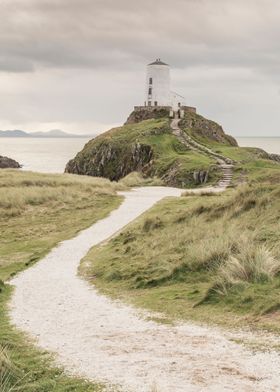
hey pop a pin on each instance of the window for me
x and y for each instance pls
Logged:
(151, 81)
(149, 103)
(155, 103)
(150, 90)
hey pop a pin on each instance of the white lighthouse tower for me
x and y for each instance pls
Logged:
(158, 84)
(158, 96)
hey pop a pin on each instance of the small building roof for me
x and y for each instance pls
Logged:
(158, 62)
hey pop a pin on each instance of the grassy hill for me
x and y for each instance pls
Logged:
(37, 211)
(147, 147)
(150, 148)
(213, 258)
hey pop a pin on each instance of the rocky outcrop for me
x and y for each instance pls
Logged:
(147, 113)
(112, 161)
(8, 163)
(262, 154)
(202, 128)
(200, 176)
(274, 157)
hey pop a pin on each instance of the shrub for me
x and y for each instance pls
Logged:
(135, 179)
(253, 264)
(152, 224)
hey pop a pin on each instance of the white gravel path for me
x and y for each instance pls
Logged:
(103, 340)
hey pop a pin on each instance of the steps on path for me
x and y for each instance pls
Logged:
(225, 163)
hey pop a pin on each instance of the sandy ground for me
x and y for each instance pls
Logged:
(103, 340)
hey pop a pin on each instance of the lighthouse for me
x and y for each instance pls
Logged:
(159, 98)
(158, 84)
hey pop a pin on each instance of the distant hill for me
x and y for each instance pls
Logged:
(55, 133)
(15, 133)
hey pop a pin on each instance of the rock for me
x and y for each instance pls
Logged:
(2, 286)
(274, 157)
(200, 176)
(146, 114)
(112, 161)
(8, 163)
(201, 127)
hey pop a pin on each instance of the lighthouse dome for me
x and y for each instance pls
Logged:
(158, 62)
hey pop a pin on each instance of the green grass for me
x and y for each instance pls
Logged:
(38, 211)
(163, 156)
(170, 153)
(172, 162)
(251, 164)
(136, 179)
(211, 258)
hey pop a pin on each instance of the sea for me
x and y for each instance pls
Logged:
(45, 155)
(50, 155)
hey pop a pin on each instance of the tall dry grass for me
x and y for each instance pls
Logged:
(9, 375)
(226, 239)
(20, 190)
(136, 179)
(252, 264)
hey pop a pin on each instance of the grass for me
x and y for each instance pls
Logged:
(252, 264)
(251, 164)
(213, 259)
(36, 212)
(172, 162)
(114, 154)
(171, 156)
(136, 179)
(8, 372)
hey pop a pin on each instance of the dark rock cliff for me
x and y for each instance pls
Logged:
(112, 161)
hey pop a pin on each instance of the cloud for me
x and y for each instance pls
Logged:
(75, 61)
(109, 34)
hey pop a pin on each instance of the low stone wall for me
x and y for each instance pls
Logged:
(151, 108)
(188, 109)
(141, 113)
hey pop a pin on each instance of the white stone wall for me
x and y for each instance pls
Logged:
(160, 86)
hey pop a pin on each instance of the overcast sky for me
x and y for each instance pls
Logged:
(79, 65)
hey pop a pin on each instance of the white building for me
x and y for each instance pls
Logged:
(158, 91)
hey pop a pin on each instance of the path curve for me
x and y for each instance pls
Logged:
(103, 340)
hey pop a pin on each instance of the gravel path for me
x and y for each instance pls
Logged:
(104, 340)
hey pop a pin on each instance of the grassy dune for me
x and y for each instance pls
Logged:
(211, 258)
(36, 212)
